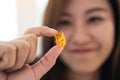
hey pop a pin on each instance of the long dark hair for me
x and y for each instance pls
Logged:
(110, 70)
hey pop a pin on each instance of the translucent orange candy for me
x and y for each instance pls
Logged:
(60, 39)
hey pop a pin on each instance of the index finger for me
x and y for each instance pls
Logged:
(41, 31)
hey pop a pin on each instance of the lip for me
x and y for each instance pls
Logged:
(82, 51)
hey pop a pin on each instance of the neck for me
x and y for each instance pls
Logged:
(80, 76)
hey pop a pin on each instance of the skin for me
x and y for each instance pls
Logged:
(16, 55)
(80, 32)
(87, 25)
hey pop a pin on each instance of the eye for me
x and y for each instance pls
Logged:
(94, 20)
(64, 23)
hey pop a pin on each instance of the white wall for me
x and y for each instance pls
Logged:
(30, 13)
(8, 20)
(18, 15)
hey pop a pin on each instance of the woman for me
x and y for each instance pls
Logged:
(92, 52)
(92, 32)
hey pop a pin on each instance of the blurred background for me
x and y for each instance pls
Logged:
(16, 16)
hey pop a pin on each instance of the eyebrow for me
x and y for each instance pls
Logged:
(87, 12)
(96, 10)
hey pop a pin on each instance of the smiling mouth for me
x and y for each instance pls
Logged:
(82, 51)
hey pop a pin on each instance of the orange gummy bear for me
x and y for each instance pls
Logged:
(60, 39)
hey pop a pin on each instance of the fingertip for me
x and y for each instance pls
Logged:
(52, 29)
(54, 52)
(59, 47)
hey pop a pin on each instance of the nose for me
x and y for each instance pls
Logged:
(81, 36)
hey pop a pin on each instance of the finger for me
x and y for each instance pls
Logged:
(41, 31)
(39, 69)
(32, 40)
(7, 55)
(45, 63)
(22, 47)
(25, 73)
(3, 76)
(36, 32)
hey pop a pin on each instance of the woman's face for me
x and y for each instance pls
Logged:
(89, 30)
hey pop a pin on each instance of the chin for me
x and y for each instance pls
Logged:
(84, 69)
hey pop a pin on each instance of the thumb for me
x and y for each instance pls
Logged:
(46, 62)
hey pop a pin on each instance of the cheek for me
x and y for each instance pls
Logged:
(104, 36)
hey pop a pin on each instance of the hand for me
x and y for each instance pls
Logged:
(16, 55)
